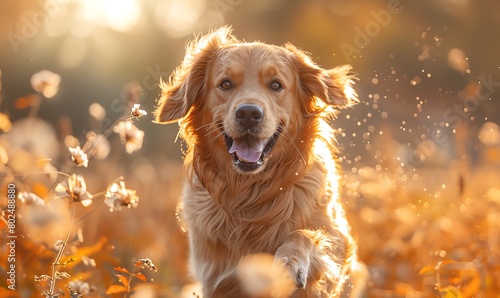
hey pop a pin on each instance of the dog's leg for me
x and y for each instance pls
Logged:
(316, 260)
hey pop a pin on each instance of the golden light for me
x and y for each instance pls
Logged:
(323, 150)
(119, 15)
(179, 17)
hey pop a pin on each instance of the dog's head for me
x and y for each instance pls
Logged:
(249, 100)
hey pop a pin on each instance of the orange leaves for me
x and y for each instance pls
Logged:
(127, 278)
(27, 101)
(84, 252)
(140, 276)
(464, 279)
(115, 289)
(439, 265)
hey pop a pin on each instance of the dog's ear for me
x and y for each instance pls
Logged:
(186, 83)
(333, 87)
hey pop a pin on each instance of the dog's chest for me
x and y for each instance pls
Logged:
(254, 228)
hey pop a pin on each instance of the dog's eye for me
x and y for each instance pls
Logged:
(275, 85)
(226, 85)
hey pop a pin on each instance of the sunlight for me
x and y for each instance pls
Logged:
(323, 151)
(350, 93)
(119, 15)
(179, 17)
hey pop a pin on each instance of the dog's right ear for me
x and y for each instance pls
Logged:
(182, 91)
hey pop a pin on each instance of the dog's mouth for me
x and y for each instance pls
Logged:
(249, 151)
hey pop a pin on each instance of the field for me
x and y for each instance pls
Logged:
(89, 185)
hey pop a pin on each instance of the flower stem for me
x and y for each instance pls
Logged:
(60, 253)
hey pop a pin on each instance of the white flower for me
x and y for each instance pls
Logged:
(30, 198)
(46, 82)
(78, 156)
(130, 135)
(147, 263)
(79, 287)
(137, 112)
(75, 189)
(117, 196)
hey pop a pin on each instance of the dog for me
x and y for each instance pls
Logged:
(261, 170)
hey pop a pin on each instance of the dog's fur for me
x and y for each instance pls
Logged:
(287, 203)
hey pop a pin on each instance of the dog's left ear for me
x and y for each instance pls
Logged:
(184, 88)
(333, 87)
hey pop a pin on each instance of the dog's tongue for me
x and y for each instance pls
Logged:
(247, 150)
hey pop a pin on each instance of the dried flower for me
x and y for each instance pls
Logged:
(61, 275)
(75, 189)
(42, 277)
(78, 156)
(78, 287)
(130, 135)
(59, 244)
(117, 196)
(137, 112)
(147, 263)
(46, 82)
(30, 198)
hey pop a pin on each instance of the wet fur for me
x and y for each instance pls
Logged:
(291, 208)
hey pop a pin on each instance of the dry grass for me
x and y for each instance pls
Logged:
(431, 231)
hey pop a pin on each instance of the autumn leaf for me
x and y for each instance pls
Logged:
(474, 286)
(85, 251)
(122, 279)
(439, 265)
(114, 289)
(426, 270)
(27, 101)
(120, 269)
(445, 262)
(140, 276)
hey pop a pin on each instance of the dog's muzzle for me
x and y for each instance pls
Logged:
(249, 151)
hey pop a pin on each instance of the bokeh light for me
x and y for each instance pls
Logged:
(420, 152)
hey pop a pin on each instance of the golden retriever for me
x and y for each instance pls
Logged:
(261, 171)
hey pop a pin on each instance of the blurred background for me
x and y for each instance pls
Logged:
(420, 152)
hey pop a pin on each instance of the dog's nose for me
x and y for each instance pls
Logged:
(249, 115)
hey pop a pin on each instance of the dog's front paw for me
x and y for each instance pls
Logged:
(295, 255)
(297, 270)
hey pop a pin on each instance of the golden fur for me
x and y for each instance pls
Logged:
(287, 205)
